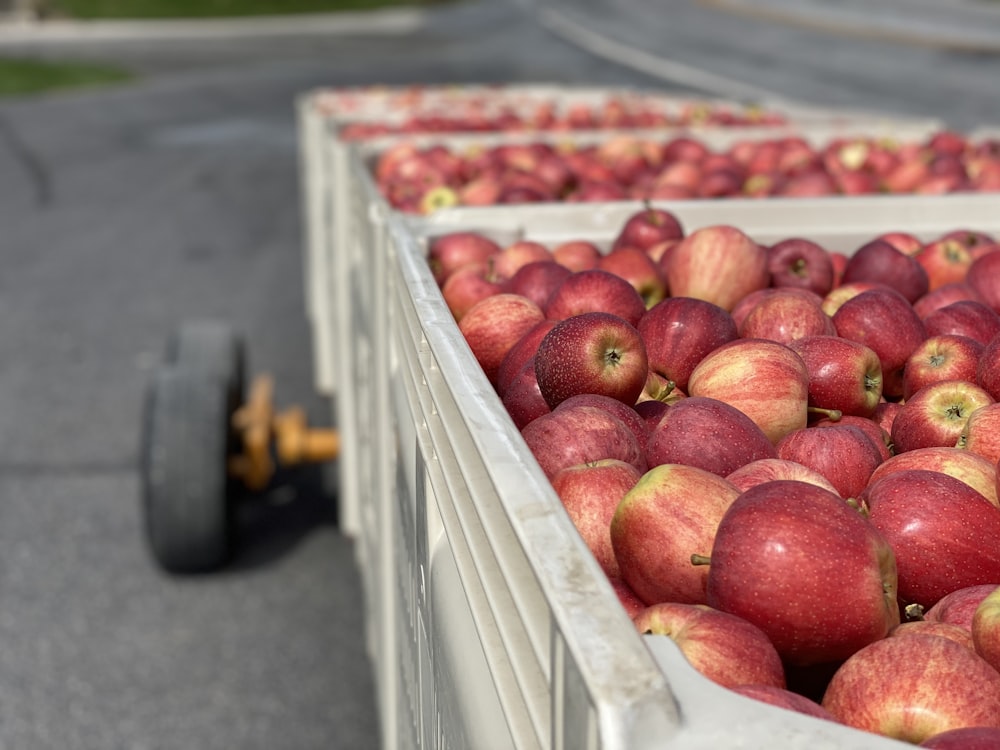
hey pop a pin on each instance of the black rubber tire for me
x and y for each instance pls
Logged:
(213, 348)
(186, 489)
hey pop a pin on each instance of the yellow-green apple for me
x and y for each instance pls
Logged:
(577, 255)
(595, 290)
(942, 297)
(936, 525)
(984, 278)
(578, 435)
(448, 252)
(879, 435)
(981, 433)
(844, 454)
(719, 264)
(971, 468)
(590, 493)
(466, 286)
(709, 434)
(631, 603)
(647, 227)
(986, 628)
(883, 320)
(626, 413)
(807, 568)
(520, 353)
(844, 375)
(536, 280)
(671, 512)
(936, 414)
(966, 318)
(988, 368)
(765, 380)
(952, 631)
(786, 315)
(680, 331)
(594, 352)
(843, 292)
(638, 269)
(942, 356)
(878, 261)
(770, 469)
(725, 648)
(912, 688)
(495, 324)
(959, 607)
(946, 260)
(784, 698)
(965, 738)
(801, 264)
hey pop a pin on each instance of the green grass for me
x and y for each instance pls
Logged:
(210, 8)
(23, 76)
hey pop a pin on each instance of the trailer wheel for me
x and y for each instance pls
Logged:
(186, 488)
(213, 348)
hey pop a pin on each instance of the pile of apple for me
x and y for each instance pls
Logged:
(782, 457)
(418, 179)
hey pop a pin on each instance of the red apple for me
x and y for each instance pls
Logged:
(512, 257)
(884, 321)
(680, 331)
(520, 353)
(784, 698)
(522, 398)
(725, 648)
(537, 280)
(448, 252)
(805, 567)
(786, 315)
(986, 628)
(648, 227)
(844, 454)
(953, 632)
(984, 278)
(577, 255)
(878, 261)
(981, 433)
(765, 380)
(719, 264)
(594, 352)
(770, 469)
(936, 414)
(638, 269)
(844, 375)
(936, 525)
(969, 467)
(965, 738)
(880, 437)
(626, 413)
(595, 290)
(941, 357)
(966, 318)
(988, 368)
(632, 604)
(493, 325)
(913, 688)
(466, 286)
(673, 510)
(905, 242)
(590, 493)
(945, 261)
(802, 264)
(843, 292)
(709, 434)
(942, 297)
(959, 607)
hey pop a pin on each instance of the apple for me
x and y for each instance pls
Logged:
(936, 525)
(986, 628)
(659, 389)
(648, 227)
(844, 454)
(448, 252)
(725, 648)
(952, 631)
(981, 433)
(537, 280)
(971, 468)
(945, 260)
(878, 261)
(595, 352)
(988, 368)
(495, 324)
(905, 242)
(941, 357)
(770, 469)
(466, 286)
(520, 353)
(590, 493)
(786, 315)
(843, 292)
(709, 434)
(521, 397)
(913, 688)
(880, 437)
(719, 264)
(577, 255)
(964, 317)
(765, 380)
(844, 375)
(964, 738)
(512, 257)
(627, 414)
(637, 268)
(680, 331)
(942, 297)
(784, 698)
(802, 264)
(595, 290)
(807, 568)
(651, 411)
(883, 320)
(936, 414)
(984, 278)
(631, 603)
(959, 607)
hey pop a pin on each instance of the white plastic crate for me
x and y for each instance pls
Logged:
(494, 626)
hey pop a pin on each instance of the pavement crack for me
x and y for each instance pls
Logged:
(32, 165)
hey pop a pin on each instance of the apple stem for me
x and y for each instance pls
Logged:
(701, 560)
(833, 415)
(913, 612)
